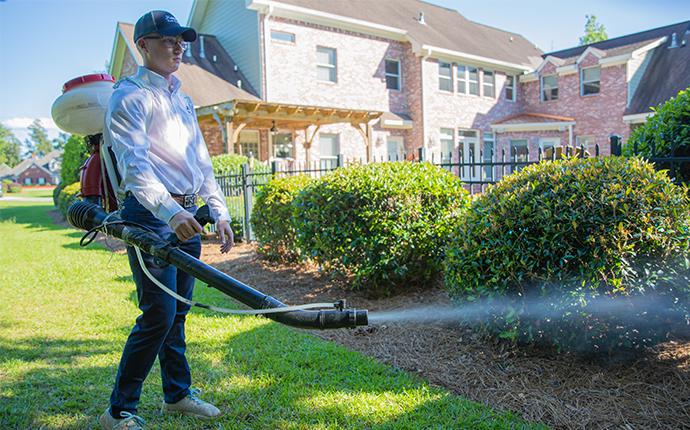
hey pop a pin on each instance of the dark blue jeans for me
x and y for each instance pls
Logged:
(159, 330)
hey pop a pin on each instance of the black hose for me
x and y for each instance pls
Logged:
(88, 216)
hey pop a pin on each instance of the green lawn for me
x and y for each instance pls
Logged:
(65, 312)
(32, 192)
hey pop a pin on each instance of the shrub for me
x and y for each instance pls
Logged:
(56, 192)
(11, 187)
(666, 134)
(73, 157)
(385, 224)
(231, 164)
(68, 195)
(563, 233)
(272, 217)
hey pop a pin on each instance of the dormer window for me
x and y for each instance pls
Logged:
(589, 81)
(549, 88)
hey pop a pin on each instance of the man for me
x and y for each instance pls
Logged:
(163, 164)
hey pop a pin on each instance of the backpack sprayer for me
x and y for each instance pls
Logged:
(83, 104)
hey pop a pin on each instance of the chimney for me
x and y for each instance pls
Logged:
(421, 18)
(202, 49)
(674, 41)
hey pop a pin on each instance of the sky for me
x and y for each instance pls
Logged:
(44, 43)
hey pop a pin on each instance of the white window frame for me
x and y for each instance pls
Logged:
(398, 153)
(518, 160)
(583, 82)
(448, 78)
(512, 88)
(549, 142)
(281, 36)
(461, 77)
(398, 76)
(328, 66)
(242, 151)
(447, 135)
(488, 138)
(337, 141)
(477, 82)
(491, 84)
(541, 88)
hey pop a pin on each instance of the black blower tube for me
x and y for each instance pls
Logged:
(86, 216)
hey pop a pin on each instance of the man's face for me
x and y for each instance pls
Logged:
(162, 54)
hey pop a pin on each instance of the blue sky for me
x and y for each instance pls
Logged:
(44, 43)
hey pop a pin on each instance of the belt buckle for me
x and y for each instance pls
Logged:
(189, 200)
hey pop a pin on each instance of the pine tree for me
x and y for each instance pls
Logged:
(38, 144)
(594, 32)
(10, 148)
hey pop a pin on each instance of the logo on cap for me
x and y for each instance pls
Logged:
(170, 18)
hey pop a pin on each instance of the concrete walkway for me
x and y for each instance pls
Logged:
(26, 199)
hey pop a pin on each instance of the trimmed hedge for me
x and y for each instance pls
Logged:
(231, 164)
(558, 235)
(67, 196)
(272, 217)
(385, 224)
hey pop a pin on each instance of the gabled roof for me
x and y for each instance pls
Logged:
(444, 28)
(4, 169)
(205, 81)
(667, 73)
(623, 44)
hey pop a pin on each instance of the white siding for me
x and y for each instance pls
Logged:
(636, 68)
(237, 30)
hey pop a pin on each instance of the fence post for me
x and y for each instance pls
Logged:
(616, 147)
(340, 161)
(274, 168)
(421, 154)
(247, 197)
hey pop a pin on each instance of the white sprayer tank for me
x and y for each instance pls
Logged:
(81, 107)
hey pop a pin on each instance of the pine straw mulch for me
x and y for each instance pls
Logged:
(560, 391)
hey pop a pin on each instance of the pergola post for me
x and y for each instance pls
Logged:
(234, 133)
(308, 140)
(366, 131)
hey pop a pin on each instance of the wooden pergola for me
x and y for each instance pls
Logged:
(256, 114)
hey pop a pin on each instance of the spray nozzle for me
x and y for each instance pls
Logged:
(340, 304)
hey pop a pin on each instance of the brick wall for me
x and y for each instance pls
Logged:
(212, 135)
(598, 115)
(34, 173)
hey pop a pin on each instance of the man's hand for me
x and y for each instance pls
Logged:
(226, 236)
(185, 226)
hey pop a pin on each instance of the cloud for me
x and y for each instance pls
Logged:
(24, 122)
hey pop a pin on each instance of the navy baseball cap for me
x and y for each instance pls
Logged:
(163, 23)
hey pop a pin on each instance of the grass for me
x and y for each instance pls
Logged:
(32, 192)
(66, 311)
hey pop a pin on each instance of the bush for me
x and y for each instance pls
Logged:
(56, 193)
(560, 234)
(272, 217)
(73, 157)
(11, 187)
(666, 134)
(231, 164)
(384, 224)
(68, 195)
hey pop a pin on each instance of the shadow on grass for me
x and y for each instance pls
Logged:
(33, 215)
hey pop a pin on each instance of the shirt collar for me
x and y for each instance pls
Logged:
(158, 81)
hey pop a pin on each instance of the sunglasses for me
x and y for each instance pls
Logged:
(171, 42)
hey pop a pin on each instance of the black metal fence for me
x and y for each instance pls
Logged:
(477, 171)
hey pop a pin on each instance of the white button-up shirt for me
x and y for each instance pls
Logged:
(152, 129)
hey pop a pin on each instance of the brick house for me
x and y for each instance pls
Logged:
(36, 171)
(310, 79)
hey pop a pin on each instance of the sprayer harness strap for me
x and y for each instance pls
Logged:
(94, 232)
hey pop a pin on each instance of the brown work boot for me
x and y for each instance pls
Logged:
(192, 406)
(127, 422)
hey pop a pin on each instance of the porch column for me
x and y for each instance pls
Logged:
(308, 141)
(366, 131)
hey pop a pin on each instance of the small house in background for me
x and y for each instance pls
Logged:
(36, 171)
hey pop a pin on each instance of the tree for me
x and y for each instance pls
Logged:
(38, 144)
(72, 159)
(10, 148)
(594, 32)
(60, 141)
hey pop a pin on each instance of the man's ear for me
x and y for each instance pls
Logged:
(141, 44)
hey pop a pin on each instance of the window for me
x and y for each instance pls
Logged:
(393, 74)
(395, 145)
(462, 79)
(447, 145)
(589, 81)
(510, 88)
(445, 76)
(468, 142)
(282, 36)
(489, 84)
(248, 144)
(283, 145)
(27, 181)
(548, 146)
(41, 181)
(488, 153)
(549, 88)
(326, 64)
(473, 79)
(518, 152)
(329, 148)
